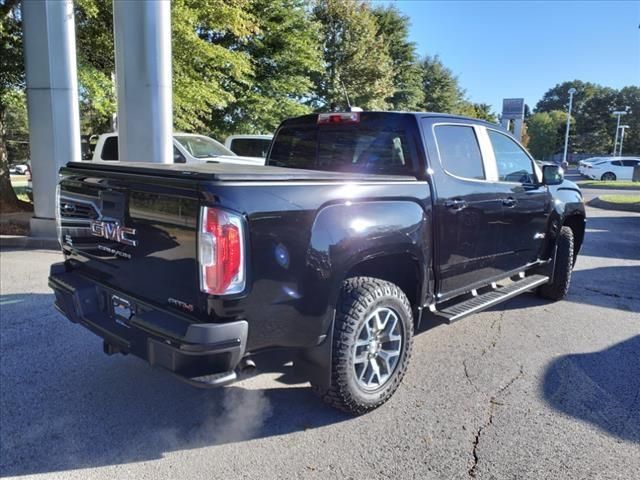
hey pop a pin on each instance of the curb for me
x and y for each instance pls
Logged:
(21, 241)
(625, 207)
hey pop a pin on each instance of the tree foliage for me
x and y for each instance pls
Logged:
(545, 132)
(593, 104)
(393, 28)
(284, 54)
(11, 84)
(442, 93)
(356, 59)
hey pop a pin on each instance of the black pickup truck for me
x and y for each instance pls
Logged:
(361, 225)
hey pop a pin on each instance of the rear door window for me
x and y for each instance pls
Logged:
(459, 151)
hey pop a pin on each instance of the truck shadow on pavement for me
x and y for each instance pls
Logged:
(612, 237)
(67, 406)
(600, 388)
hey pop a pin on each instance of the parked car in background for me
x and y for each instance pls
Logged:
(29, 189)
(18, 169)
(249, 145)
(187, 148)
(582, 164)
(614, 168)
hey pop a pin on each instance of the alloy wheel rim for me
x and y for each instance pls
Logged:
(378, 348)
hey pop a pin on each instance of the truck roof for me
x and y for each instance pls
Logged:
(311, 118)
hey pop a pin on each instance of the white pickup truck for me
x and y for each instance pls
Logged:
(187, 148)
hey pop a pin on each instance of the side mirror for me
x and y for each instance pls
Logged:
(178, 158)
(552, 174)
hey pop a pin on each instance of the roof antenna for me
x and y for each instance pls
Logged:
(344, 90)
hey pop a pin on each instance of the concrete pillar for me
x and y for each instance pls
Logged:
(142, 31)
(52, 101)
(517, 128)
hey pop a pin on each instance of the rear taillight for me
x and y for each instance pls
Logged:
(221, 252)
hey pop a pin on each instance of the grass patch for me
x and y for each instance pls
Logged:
(625, 203)
(621, 199)
(21, 193)
(615, 184)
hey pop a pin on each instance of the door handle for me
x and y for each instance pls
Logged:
(509, 202)
(455, 204)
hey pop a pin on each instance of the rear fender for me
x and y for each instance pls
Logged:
(347, 234)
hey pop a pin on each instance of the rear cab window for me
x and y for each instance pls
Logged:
(376, 143)
(459, 151)
(250, 147)
(110, 149)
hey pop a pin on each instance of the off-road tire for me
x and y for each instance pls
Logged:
(359, 298)
(558, 288)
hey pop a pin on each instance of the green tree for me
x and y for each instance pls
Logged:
(203, 70)
(442, 93)
(11, 83)
(96, 64)
(546, 133)
(355, 58)
(206, 73)
(284, 54)
(475, 110)
(592, 107)
(393, 28)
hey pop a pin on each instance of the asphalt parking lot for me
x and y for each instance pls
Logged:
(529, 389)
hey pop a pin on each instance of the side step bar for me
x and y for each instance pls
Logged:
(460, 310)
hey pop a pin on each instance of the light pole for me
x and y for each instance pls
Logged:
(572, 91)
(622, 129)
(619, 114)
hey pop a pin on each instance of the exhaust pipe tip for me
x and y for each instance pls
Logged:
(247, 367)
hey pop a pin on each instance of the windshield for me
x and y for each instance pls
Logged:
(199, 146)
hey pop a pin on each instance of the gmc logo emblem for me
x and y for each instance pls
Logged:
(113, 231)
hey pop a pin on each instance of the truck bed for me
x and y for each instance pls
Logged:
(232, 172)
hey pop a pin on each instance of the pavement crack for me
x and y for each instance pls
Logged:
(498, 333)
(493, 403)
(467, 376)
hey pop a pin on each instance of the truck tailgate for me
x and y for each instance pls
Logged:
(134, 233)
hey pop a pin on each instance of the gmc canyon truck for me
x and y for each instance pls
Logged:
(360, 226)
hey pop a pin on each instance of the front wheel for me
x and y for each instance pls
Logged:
(372, 338)
(558, 288)
(608, 176)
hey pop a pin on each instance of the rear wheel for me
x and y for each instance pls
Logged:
(558, 288)
(372, 338)
(608, 176)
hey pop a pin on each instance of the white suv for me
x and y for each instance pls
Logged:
(187, 148)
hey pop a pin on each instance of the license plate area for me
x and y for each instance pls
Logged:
(122, 310)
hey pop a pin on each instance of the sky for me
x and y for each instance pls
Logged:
(520, 48)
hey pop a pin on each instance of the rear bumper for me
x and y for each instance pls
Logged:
(204, 354)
